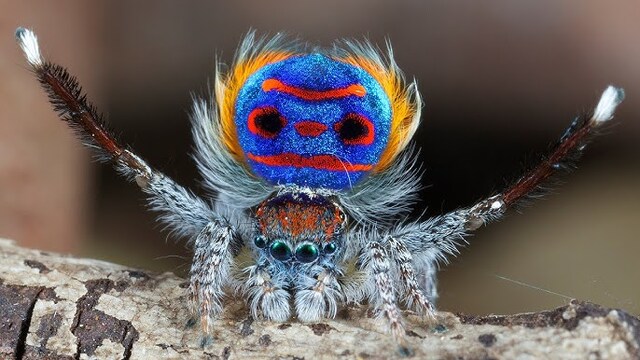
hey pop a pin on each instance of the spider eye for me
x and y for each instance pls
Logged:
(266, 122)
(280, 250)
(260, 241)
(330, 248)
(306, 253)
(355, 129)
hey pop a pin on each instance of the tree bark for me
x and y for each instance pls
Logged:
(59, 307)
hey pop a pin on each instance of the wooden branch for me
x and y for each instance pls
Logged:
(59, 307)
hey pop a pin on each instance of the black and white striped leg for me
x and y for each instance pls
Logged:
(384, 295)
(415, 298)
(209, 270)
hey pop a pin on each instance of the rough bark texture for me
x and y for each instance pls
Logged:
(60, 307)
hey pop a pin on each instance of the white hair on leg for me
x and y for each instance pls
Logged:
(264, 291)
(212, 260)
(28, 41)
(610, 99)
(317, 296)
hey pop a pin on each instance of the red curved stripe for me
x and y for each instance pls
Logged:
(313, 95)
(319, 162)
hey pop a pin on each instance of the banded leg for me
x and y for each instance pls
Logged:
(181, 210)
(415, 297)
(385, 294)
(317, 296)
(264, 291)
(209, 270)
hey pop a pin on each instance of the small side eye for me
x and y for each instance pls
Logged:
(355, 129)
(266, 122)
(330, 248)
(260, 241)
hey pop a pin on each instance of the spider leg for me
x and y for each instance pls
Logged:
(568, 148)
(264, 290)
(211, 262)
(380, 269)
(184, 212)
(561, 158)
(403, 259)
(426, 274)
(317, 295)
(434, 239)
(440, 235)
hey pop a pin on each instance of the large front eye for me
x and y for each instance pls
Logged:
(355, 129)
(266, 122)
(280, 250)
(306, 253)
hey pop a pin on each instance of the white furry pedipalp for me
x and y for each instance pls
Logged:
(610, 99)
(28, 42)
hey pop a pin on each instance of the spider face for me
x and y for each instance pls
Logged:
(296, 228)
(312, 121)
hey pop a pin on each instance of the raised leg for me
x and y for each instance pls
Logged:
(440, 235)
(416, 247)
(181, 210)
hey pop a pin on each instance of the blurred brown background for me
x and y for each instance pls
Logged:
(501, 80)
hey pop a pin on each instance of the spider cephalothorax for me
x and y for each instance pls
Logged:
(299, 236)
(307, 153)
(299, 227)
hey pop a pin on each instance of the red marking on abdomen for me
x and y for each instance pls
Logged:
(266, 122)
(318, 162)
(358, 130)
(313, 95)
(310, 128)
